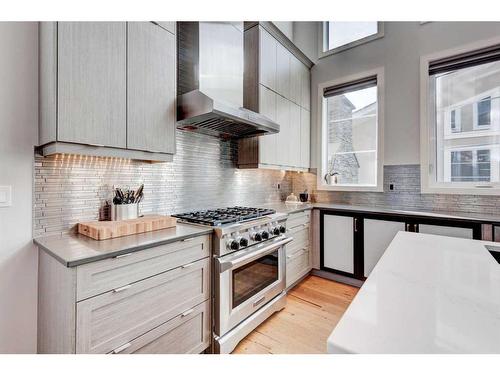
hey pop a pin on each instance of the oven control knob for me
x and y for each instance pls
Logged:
(265, 235)
(282, 229)
(233, 244)
(276, 231)
(243, 242)
(257, 236)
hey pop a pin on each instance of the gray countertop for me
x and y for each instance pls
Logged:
(75, 249)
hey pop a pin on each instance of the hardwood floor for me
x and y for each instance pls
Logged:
(313, 309)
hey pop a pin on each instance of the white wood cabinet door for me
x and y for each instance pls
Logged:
(338, 243)
(267, 143)
(283, 71)
(151, 93)
(283, 137)
(92, 79)
(295, 80)
(305, 87)
(305, 138)
(294, 138)
(378, 234)
(445, 231)
(267, 59)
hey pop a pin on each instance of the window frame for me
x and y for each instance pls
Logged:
(426, 122)
(322, 133)
(323, 32)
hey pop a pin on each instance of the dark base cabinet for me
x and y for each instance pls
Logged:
(351, 243)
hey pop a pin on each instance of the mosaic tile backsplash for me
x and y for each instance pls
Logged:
(406, 194)
(72, 188)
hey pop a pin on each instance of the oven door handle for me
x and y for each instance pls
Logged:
(241, 260)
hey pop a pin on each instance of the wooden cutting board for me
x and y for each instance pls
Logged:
(103, 230)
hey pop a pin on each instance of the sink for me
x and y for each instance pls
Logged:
(494, 251)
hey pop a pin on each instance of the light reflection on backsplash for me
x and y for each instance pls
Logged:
(203, 174)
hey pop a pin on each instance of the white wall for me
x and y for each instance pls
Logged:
(399, 52)
(18, 134)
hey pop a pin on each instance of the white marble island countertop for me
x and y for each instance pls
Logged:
(427, 294)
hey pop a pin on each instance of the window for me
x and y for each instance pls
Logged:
(351, 149)
(460, 139)
(339, 36)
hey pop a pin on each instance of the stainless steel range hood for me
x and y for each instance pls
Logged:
(210, 82)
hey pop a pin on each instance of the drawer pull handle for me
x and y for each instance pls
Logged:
(187, 312)
(188, 239)
(121, 348)
(125, 287)
(187, 265)
(122, 255)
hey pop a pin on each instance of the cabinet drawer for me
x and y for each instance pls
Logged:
(115, 318)
(99, 277)
(298, 218)
(188, 333)
(300, 239)
(297, 265)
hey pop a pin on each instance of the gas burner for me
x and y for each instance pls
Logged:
(223, 216)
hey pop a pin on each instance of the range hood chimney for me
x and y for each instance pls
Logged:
(210, 82)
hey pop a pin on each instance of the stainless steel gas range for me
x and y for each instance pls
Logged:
(249, 269)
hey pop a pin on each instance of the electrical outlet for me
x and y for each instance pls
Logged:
(391, 186)
(5, 196)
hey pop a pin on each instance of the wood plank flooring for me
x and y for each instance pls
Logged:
(313, 309)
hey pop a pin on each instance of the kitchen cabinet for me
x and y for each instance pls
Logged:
(377, 235)
(298, 252)
(276, 81)
(91, 83)
(267, 62)
(338, 243)
(296, 71)
(135, 302)
(283, 149)
(268, 107)
(352, 242)
(151, 75)
(283, 58)
(305, 137)
(443, 230)
(107, 89)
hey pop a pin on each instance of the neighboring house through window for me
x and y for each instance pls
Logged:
(352, 122)
(460, 138)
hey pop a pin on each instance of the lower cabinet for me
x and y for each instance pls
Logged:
(188, 333)
(158, 303)
(351, 243)
(298, 252)
(377, 235)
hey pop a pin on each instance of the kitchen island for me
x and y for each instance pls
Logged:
(427, 294)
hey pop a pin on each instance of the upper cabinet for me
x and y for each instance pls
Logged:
(277, 84)
(92, 83)
(108, 89)
(151, 88)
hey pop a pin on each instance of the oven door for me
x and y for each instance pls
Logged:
(246, 280)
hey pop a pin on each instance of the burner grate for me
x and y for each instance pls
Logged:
(223, 216)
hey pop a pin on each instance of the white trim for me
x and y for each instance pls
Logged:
(321, 42)
(379, 187)
(426, 186)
